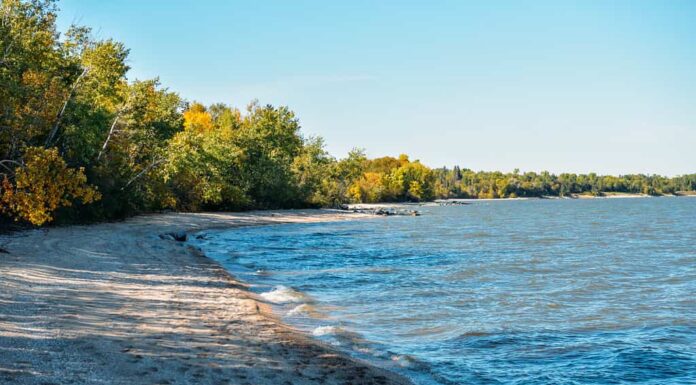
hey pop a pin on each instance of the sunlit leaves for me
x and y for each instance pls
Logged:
(203, 171)
(392, 179)
(197, 119)
(44, 184)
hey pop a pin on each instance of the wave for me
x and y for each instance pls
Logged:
(299, 310)
(326, 330)
(305, 310)
(283, 294)
(341, 336)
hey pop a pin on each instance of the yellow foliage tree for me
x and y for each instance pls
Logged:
(42, 185)
(415, 191)
(368, 188)
(198, 119)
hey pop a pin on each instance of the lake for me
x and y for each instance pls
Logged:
(557, 291)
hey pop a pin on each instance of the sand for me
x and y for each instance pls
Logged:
(113, 303)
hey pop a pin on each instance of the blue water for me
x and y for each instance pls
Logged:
(497, 292)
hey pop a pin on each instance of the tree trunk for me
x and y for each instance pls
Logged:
(108, 137)
(59, 118)
(141, 173)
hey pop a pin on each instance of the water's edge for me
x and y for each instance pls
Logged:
(269, 308)
(534, 279)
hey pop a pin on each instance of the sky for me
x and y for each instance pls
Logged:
(564, 86)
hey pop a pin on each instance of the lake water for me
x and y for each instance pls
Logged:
(496, 292)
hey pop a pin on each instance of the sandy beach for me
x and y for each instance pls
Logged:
(113, 303)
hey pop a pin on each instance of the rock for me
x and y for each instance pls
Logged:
(3, 251)
(179, 236)
(452, 203)
(382, 211)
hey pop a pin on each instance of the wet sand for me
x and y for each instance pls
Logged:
(113, 303)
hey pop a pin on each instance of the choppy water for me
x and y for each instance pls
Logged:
(505, 292)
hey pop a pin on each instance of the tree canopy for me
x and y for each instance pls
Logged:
(79, 140)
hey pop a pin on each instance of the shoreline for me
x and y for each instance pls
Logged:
(445, 201)
(114, 303)
(606, 195)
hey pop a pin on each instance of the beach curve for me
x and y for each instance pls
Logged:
(113, 303)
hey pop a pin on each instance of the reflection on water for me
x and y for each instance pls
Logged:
(523, 292)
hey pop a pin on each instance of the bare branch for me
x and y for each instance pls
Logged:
(59, 118)
(111, 132)
(145, 170)
(6, 162)
(112, 129)
(6, 53)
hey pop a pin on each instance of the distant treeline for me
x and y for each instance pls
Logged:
(464, 183)
(79, 141)
(390, 179)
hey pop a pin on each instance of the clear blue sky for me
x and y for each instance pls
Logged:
(579, 86)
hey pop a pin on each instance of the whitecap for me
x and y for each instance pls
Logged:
(283, 294)
(325, 330)
(408, 361)
(300, 309)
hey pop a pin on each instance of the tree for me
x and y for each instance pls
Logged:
(309, 169)
(42, 185)
(128, 166)
(203, 172)
(269, 140)
(197, 118)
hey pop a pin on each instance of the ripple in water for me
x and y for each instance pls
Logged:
(507, 292)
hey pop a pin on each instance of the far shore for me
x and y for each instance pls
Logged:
(605, 195)
(114, 303)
